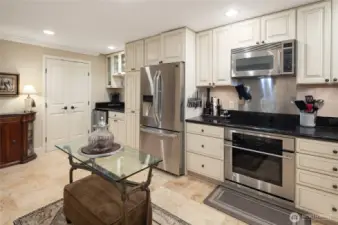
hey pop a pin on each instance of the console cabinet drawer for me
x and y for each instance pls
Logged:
(206, 130)
(116, 115)
(320, 148)
(317, 202)
(317, 164)
(208, 146)
(205, 166)
(318, 181)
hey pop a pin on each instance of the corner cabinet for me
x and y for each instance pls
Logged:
(314, 43)
(204, 58)
(134, 55)
(152, 50)
(16, 138)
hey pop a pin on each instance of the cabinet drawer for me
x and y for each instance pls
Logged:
(205, 166)
(318, 181)
(205, 130)
(317, 164)
(320, 148)
(317, 202)
(116, 115)
(209, 146)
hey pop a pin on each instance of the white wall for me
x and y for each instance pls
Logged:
(27, 60)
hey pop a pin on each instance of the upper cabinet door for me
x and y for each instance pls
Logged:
(138, 54)
(129, 91)
(314, 43)
(278, 27)
(152, 47)
(204, 58)
(130, 52)
(173, 46)
(246, 33)
(221, 56)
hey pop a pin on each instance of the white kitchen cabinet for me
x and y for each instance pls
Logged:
(118, 128)
(115, 70)
(204, 58)
(134, 55)
(246, 33)
(221, 59)
(278, 26)
(132, 91)
(133, 129)
(173, 46)
(152, 50)
(314, 43)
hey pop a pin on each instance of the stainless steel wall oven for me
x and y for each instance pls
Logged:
(262, 161)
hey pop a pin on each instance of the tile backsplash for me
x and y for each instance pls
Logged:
(329, 93)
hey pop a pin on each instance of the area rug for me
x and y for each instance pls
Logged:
(52, 214)
(252, 210)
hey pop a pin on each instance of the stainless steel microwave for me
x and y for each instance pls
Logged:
(264, 60)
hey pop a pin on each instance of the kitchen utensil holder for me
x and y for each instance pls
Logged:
(307, 119)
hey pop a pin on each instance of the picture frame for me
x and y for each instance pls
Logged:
(9, 84)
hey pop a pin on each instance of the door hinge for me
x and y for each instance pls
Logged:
(88, 74)
(46, 139)
(88, 131)
(88, 103)
(45, 104)
(45, 70)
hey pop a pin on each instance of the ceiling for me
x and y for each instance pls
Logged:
(90, 26)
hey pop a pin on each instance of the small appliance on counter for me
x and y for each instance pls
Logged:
(308, 110)
(102, 108)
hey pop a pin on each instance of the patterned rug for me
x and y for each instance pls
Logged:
(52, 214)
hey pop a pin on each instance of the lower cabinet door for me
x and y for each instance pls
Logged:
(11, 144)
(317, 202)
(121, 131)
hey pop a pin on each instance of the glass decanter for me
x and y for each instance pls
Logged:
(101, 140)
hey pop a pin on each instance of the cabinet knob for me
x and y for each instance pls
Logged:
(202, 130)
(335, 169)
(14, 141)
(335, 151)
(72, 107)
(335, 79)
(335, 186)
(202, 165)
(334, 209)
(257, 43)
(115, 120)
(263, 42)
(202, 146)
(132, 68)
(65, 108)
(327, 80)
(213, 84)
(160, 62)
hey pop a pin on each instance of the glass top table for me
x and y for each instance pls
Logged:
(116, 167)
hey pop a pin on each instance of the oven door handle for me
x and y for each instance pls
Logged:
(259, 152)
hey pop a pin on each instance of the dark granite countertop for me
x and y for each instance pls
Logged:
(326, 133)
(121, 110)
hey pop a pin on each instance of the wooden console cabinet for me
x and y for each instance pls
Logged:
(16, 138)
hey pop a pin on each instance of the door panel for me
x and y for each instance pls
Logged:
(165, 145)
(161, 96)
(138, 54)
(204, 58)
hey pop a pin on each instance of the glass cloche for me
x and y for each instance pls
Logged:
(101, 140)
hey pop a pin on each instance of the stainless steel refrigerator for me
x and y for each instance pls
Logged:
(162, 114)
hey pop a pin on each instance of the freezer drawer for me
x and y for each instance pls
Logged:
(166, 145)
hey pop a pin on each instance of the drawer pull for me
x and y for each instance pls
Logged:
(202, 130)
(334, 209)
(202, 146)
(335, 151)
(335, 186)
(202, 165)
(13, 141)
(335, 169)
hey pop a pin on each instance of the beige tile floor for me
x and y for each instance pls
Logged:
(24, 188)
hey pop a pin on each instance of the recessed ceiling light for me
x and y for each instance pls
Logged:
(111, 47)
(48, 32)
(231, 13)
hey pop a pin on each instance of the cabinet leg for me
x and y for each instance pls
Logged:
(68, 221)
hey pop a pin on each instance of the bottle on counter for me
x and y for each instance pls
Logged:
(218, 108)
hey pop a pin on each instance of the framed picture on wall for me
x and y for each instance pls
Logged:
(9, 84)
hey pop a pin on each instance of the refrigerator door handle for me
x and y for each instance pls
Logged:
(160, 133)
(159, 94)
(155, 101)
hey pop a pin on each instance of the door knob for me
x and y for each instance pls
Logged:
(257, 43)
(334, 209)
(327, 80)
(335, 151)
(202, 165)
(335, 169)
(335, 186)
(65, 108)
(335, 79)
(72, 107)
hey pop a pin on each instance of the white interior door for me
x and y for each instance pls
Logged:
(67, 96)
